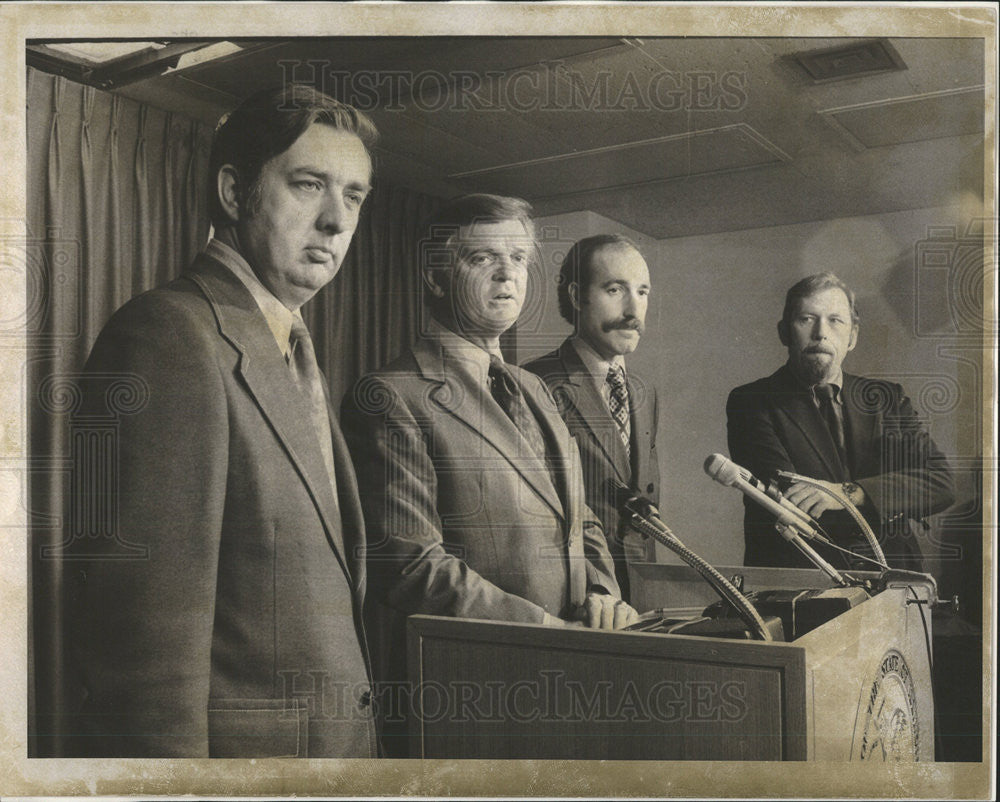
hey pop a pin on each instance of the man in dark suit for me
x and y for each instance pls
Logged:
(471, 484)
(603, 291)
(853, 436)
(237, 630)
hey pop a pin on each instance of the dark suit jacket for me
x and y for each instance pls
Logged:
(239, 632)
(602, 453)
(774, 425)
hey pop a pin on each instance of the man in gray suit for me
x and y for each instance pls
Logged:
(471, 483)
(603, 291)
(238, 631)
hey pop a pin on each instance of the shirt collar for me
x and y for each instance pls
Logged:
(596, 365)
(475, 359)
(278, 316)
(837, 382)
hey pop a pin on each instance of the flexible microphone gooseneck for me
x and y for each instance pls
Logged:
(790, 526)
(643, 516)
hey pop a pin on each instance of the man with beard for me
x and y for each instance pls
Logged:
(603, 292)
(856, 437)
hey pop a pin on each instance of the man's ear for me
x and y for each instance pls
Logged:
(783, 332)
(433, 282)
(228, 187)
(854, 337)
(574, 295)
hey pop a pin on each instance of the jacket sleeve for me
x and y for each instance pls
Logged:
(408, 566)
(142, 587)
(915, 480)
(600, 564)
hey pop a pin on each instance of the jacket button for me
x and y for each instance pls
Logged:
(366, 699)
(649, 488)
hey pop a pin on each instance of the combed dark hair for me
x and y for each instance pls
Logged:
(442, 226)
(576, 267)
(267, 124)
(811, 285)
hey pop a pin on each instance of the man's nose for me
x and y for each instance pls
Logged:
(334, 216)
(820, 329)
(504, 269)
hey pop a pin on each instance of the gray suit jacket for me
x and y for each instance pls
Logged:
(235, 630)
(462, 522)
(601, 449)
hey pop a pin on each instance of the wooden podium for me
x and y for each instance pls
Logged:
(858, 687)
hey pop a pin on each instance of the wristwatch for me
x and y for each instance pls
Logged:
(853, 492)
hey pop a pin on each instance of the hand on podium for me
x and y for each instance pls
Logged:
(814, 502)
(603, 611)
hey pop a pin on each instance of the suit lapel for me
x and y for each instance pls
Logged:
(470, 403)
(268, 380)
(861, 423)
(582, 394)
(641, 401)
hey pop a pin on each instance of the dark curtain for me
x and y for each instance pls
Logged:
(371, 311)
(116, 205)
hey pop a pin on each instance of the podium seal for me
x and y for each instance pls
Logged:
(887, 728)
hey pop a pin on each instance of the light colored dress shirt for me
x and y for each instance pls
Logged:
(278, 316)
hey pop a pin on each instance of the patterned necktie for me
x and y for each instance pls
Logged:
(618, 404)
(305, 371)
(832, 415)
(507, 394)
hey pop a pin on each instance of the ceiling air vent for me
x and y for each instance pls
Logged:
(849, 61)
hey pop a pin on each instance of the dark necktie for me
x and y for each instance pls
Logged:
(307, 378)
(832, 414)
(618, 404)
(508, 395)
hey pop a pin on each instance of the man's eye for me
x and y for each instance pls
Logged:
(614, 290)
(308, 185)
(354, 198)
(480, 259)
(519, 258)
(644, 293)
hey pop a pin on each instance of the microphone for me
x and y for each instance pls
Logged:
(628, 502)
(728, 473)
(790, 526)
(645, 519)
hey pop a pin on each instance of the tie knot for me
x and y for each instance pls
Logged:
(500, 374)
(298, 330)
(298, 336)
(825, 392)
(616, 376)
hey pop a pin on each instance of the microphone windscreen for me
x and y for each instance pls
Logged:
(722, 470)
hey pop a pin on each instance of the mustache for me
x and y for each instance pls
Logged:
(626, 324)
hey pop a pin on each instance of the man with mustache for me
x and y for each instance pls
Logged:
(471, 484)
(854, 436)
(603, 292)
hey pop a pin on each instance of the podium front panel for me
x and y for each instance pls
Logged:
(496, 690)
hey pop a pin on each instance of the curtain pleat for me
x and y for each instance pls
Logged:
(94, 226)
(117, 205)
(370, 312)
